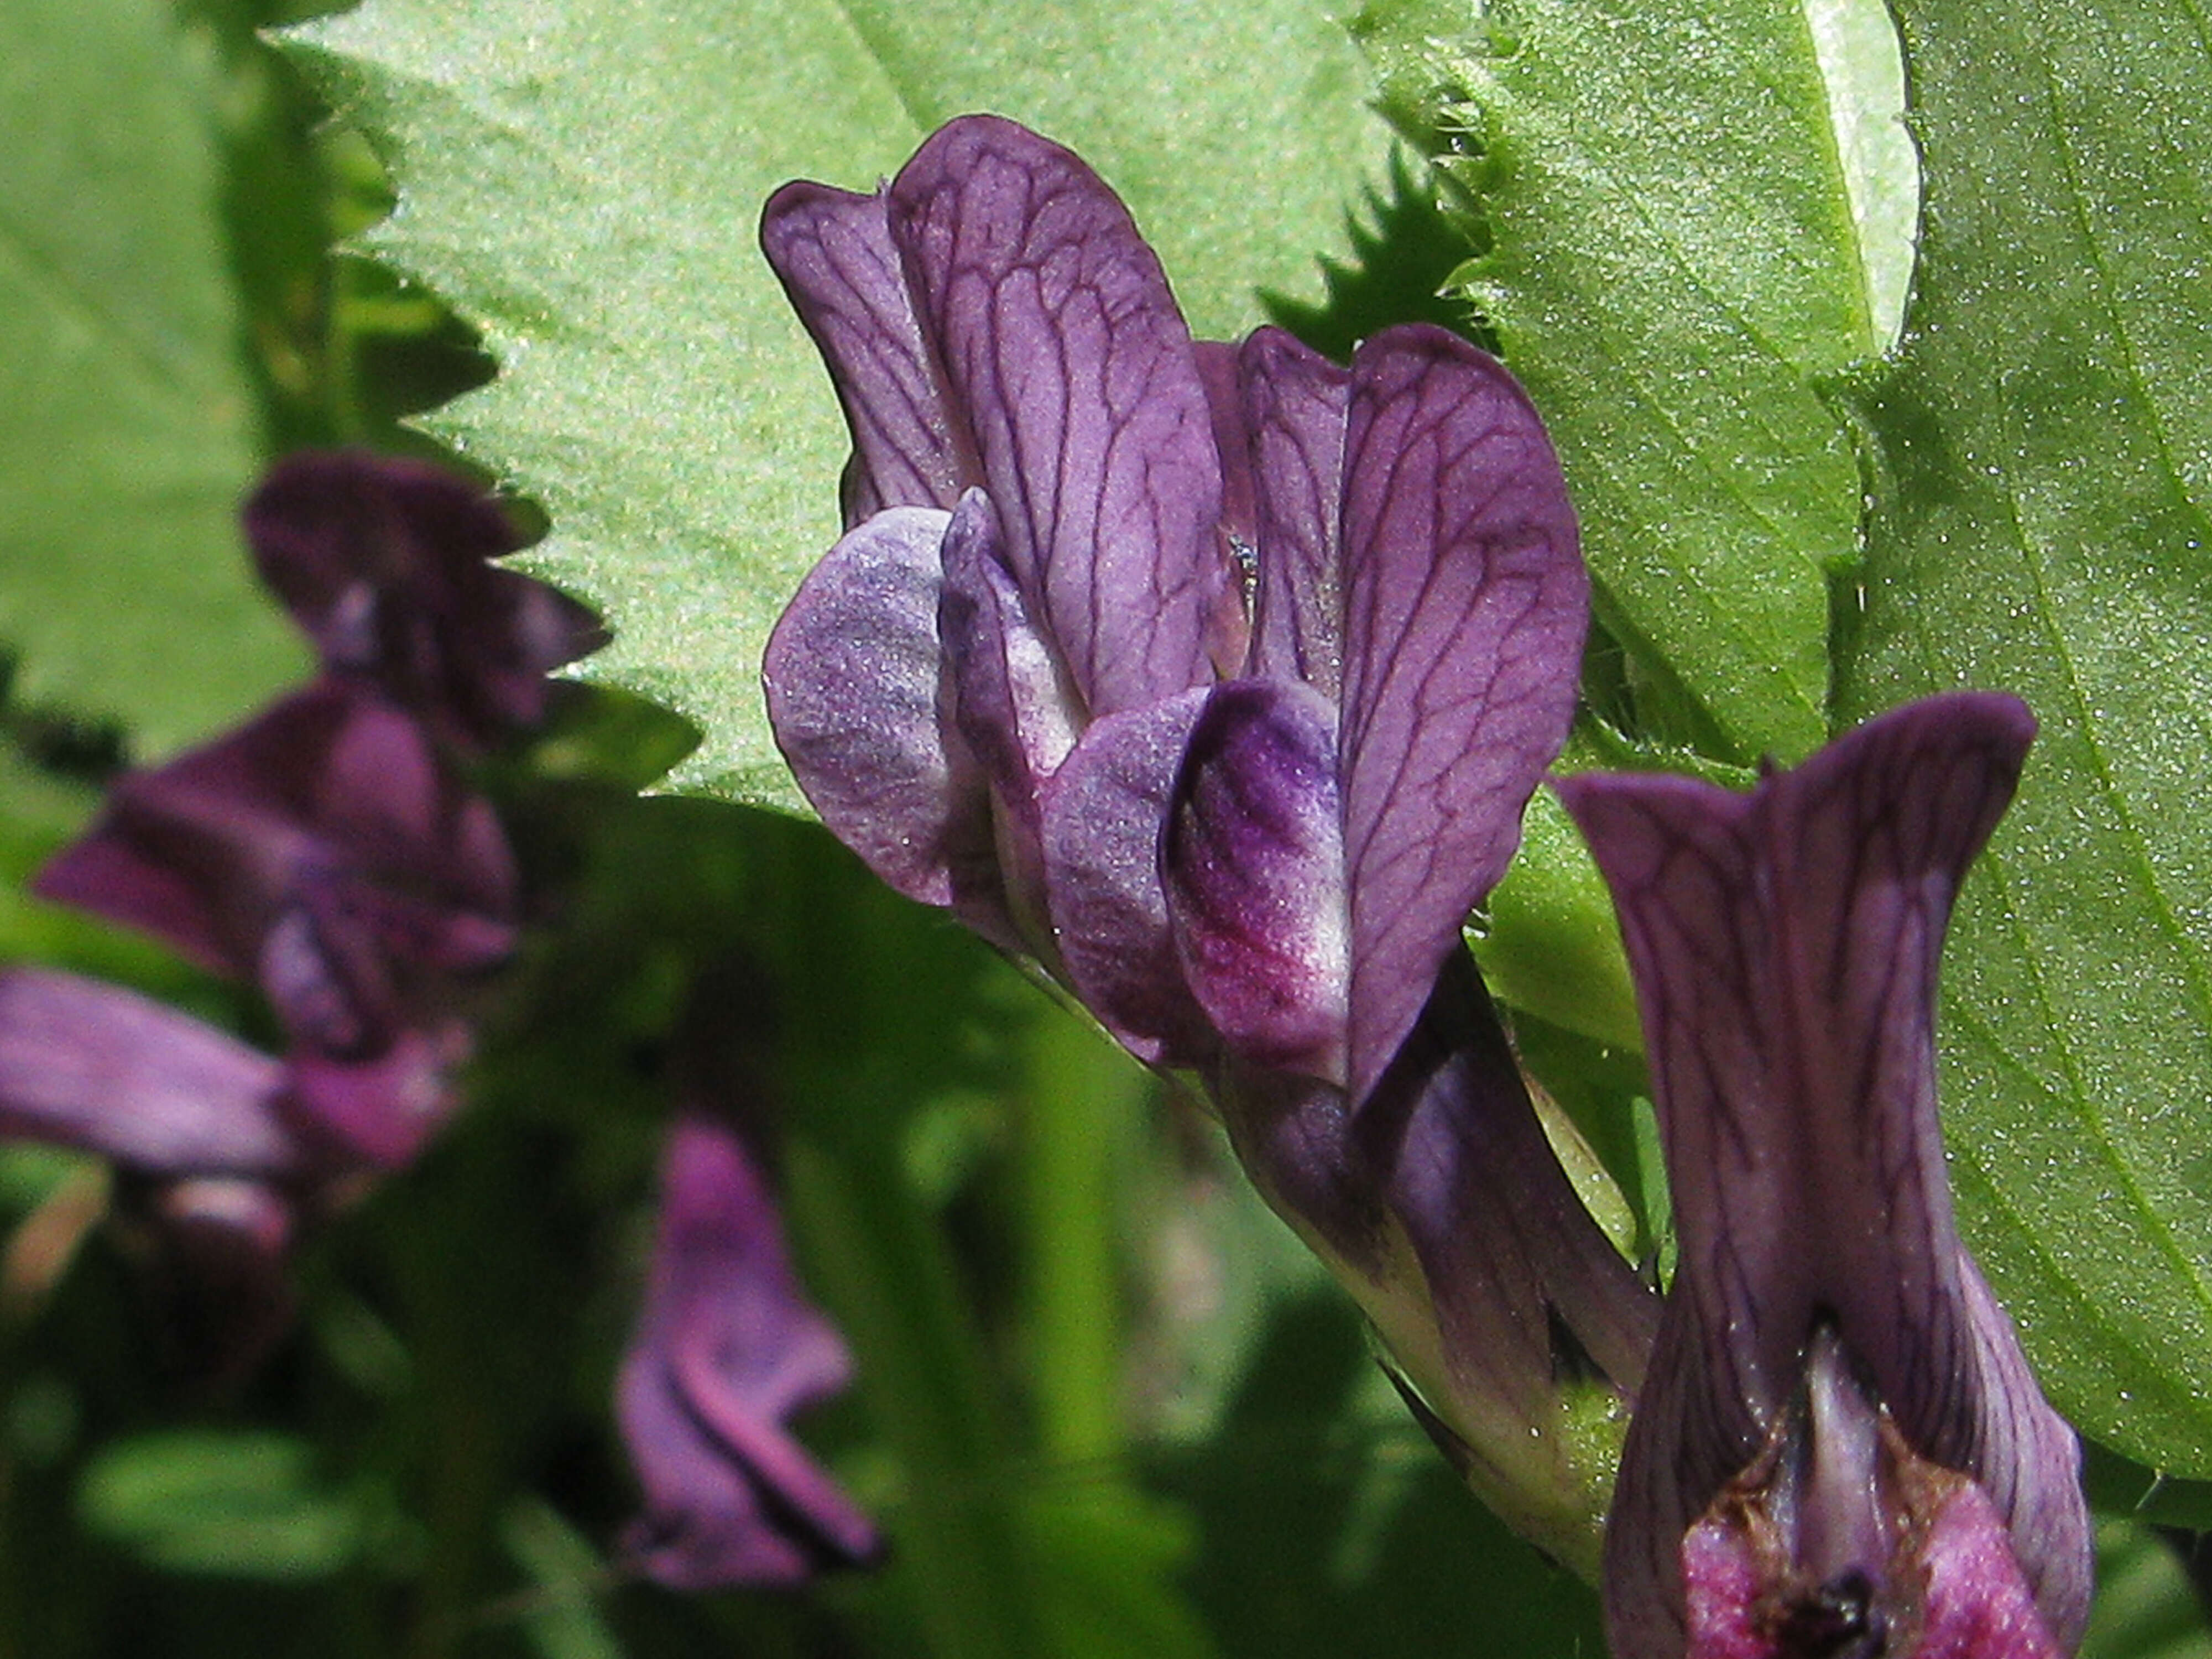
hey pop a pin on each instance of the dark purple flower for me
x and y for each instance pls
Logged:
(726, 1351)
(388, 566)
(1840, 1450)
(1005, 688)
(328, 853)
(1033, 512)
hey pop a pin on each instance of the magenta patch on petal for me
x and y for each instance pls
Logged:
(1720, 1591)
(1977, 1604)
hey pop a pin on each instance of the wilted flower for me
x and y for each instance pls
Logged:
(1025, 685)
(1839, 1449)
(726, 1351)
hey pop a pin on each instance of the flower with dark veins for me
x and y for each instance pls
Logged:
(1033, 510)
(1215, 681)
(1840, 1450)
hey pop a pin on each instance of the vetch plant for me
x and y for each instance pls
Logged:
(1839, 1448)
(1214, 682)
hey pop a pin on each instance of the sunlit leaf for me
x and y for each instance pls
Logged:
(124, 584)
(2044, 456)
(583, 180)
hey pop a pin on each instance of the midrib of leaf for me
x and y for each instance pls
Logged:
(875, 40)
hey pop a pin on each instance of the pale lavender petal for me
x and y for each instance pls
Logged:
(832, 249)
(1062, 349)
(1254, 865)
(1102, 817)
(387, 564)
(854, 679)
(95, 1066)
(1011, 702)
(1465, 607)
(1785, 946)
(726, 1351)
(1296, 403)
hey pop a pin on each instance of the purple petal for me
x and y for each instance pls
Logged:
(379, 1110)
(1465, 606)
(832, 249)
(225, 1260)
(386, 564)
(1254, 862)
(1296, 405)
(329, 787)
(1785, 946)
(853, 677)
(1061, 346)
(1011, 702)
(727, 1349)
(1224, 401)
(1101, 839)
(95, 1066)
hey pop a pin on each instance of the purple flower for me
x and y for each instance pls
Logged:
(728, 1349)
(388, 566)
(330, 853)
(1840, 1448)
(1216, 680)
(327, 853)
(1033, 510)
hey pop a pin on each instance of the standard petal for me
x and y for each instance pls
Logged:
(1296, 404)
(832, 249)
(93, 1066)
(1064, 356)
(387, 563)
(727, 1349)
(1465, 607)
(1253, 860)
(1785, 946)
(853, 675)
(1102, 813)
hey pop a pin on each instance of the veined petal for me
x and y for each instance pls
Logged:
(832, 250)
(387, 565)
(1785, 946)
(854, 682)
(1063, 353)
(1465, 607)
(1102, 817)
(1225, 399)
(728, 1348)
(1254, 864)
(1296, 405)
(95, 1066)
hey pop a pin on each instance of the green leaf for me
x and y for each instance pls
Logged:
(2145, 1607)
(583, 179)
(2043, 452)
(238, 1504)
(131, 440)
(1669, 257)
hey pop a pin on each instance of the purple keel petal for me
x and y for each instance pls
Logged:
(1253, 860)
(1296, 405)
(832, 249)
(1465, 607)
(1062, 349)
(1100, 836)
(853, 675)
(1785, 946)
(93, 1066)
(388, 566)
(727, 1349)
